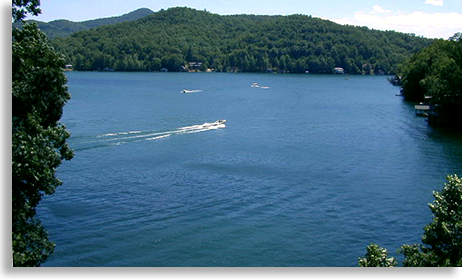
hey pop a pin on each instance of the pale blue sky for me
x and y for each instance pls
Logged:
(429, 18)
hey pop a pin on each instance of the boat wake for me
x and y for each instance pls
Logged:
(111, 139)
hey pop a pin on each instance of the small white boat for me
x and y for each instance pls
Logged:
(256, 85)
(218, 124)
(190, 91)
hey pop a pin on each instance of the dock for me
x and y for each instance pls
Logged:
(422, 110)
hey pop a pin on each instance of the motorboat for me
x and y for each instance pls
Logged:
(218, 124)
(256, 85)
(190, 91)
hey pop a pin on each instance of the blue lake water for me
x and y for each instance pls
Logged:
(307, 172)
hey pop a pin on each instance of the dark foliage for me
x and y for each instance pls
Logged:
(436, 71)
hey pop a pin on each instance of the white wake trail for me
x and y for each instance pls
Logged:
(119, 138)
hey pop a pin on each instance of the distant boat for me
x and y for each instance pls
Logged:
(256, 85)
(190, 91)
(396, 81)
(339, 71)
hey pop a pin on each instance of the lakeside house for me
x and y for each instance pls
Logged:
(194, 66)
(422, 110)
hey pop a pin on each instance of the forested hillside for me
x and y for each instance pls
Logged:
(297, 43)
(62, 27)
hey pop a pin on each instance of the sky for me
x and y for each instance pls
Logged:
(428, 18)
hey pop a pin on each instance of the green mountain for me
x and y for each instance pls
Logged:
(172, 38)
(62, 27)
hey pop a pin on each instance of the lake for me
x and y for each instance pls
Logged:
(307, 171)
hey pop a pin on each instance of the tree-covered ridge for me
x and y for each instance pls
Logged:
(296, 43)
(63, 27)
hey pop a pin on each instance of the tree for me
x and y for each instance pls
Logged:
(173, 62)
(38, 139)
(21, 7)
(376, 257)
(442, 239)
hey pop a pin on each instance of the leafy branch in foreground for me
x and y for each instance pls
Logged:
(21, 7)
(376, 256)
(38, 139)
(442, 239)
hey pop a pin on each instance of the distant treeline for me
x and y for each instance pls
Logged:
(169, 39)
(63, 27)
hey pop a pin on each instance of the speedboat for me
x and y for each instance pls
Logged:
(256, 85)
(218, 124)
(191, 91)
